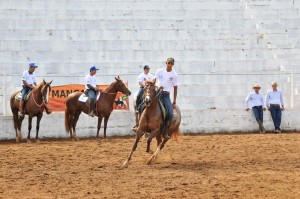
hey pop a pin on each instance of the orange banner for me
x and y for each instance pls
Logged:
(59, 94)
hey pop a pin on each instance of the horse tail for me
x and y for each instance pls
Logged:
(176, 135)
(67, 119)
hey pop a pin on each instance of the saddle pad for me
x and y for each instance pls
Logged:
(84, 98)
(163, 110)
(19, 96)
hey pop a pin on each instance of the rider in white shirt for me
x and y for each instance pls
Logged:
(91, 86)
(168, 80)
(258, 106)
(28, 83)
(146, 75)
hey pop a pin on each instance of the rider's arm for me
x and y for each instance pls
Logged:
(175, 94)
(91, 87)
(26, 84)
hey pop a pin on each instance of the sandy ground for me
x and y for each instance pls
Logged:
(207, 166)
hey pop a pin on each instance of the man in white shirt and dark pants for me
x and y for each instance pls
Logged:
(91, 86)
(146, 75)
(274, 102)
(258, 106)
(168, 80)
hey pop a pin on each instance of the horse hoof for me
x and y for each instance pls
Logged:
(17, 140)
(150, 151)
(28, 141)
(125, 165)
(38, 141)
(149, 162)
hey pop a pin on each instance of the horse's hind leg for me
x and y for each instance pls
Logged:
(75, 120)
(38, 120)
(159, 148)
(15, 118)
(29, 128)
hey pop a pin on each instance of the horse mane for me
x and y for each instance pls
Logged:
(39, 86)
(111, 85)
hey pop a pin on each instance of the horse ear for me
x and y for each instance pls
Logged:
(44, 81)
(116, 79)
(154, 80)
(51, 82)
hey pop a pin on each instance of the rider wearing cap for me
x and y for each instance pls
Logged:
(146, 75)
(91, 86)
(28, 83)
(168, 80)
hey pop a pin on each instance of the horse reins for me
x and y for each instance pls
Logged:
(156, 96)
(43, 100)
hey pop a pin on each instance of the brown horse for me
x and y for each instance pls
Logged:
(104, 107)
(151, 120)
(34, 107)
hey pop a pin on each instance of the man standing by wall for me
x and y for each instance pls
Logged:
(274, 102)
(257, 103)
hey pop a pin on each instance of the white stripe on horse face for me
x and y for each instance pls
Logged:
(47, 95)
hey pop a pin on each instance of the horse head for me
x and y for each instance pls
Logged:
(45, 90)
(121, 87)
(150, 91)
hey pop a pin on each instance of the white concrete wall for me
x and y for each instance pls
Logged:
(221, 48)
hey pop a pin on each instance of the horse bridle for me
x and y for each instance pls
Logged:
(158, 91)
(43, 98)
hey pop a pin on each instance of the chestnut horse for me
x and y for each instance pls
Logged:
(34, 107)
(104, 107)
(151, 121)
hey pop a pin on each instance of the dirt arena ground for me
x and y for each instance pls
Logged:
(203, 166)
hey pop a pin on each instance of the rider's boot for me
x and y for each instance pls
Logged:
(91, 108)
(21, 109)
(166, 129)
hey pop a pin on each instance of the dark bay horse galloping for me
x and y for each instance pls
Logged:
(151, 121)
(104, 107)
(34, 107)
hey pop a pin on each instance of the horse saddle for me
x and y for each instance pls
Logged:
(19, 95)
(84, 97)
(163, 109)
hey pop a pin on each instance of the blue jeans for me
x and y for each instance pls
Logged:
(258, 113)
(276, 116)
(167, 102)
(91, 94)
(24, 92)
(139, 97)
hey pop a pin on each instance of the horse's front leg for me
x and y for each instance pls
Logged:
(19, 125)
(139, 134)
(99, 126)
(29, 128)
(38, 120)
(105, 126)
